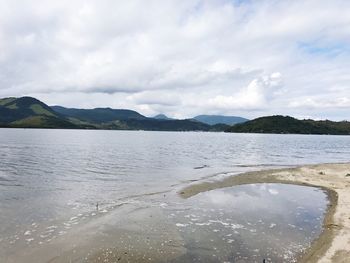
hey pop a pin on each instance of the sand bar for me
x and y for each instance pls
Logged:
(333, 245)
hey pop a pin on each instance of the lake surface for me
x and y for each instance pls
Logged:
(53, 181)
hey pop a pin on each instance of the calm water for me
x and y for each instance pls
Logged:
(275, 222)
(51, 180)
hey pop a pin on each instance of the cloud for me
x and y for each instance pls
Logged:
(311, 103)
(255, 96)
(178, 57)
(155, 98)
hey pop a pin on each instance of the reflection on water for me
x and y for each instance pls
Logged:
(51, 180)
(250, 223)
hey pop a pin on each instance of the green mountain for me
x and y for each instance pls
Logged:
(120, 119)
(30, 112)
(168, 125)
(286, 124)
(98, 115)
(219, 119)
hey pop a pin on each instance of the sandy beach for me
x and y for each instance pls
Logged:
(333, 245)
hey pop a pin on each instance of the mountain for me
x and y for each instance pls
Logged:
(162, 117)
(168, 125)
(287, 124)
(30, 112)
(98, 115)
(219, 119)
(116, 119)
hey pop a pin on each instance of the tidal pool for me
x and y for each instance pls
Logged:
(249, 223)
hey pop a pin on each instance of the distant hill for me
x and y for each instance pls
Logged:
(286, 124)
(120, 119)
(30, 112)
(162, 117)
(99, 115)
(219, 119)
(168, 125)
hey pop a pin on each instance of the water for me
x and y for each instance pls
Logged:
(275, 222)
(52, 180)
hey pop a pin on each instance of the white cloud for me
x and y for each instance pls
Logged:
(311, 103)
(155, 98)
(255, 96)
(179, 57)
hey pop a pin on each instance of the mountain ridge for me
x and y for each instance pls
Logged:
(98, 115)
(29, 112)
(278, 124)
(123, 119)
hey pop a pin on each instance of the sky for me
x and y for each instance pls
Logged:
(180, 57)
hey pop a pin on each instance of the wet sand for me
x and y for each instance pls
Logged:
(333, 245)
(128, 234)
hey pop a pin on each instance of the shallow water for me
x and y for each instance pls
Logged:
(52, 180)
(275, 222)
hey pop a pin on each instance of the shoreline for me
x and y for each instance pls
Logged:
(333, 244)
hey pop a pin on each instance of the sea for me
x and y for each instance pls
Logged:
(55, 183)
